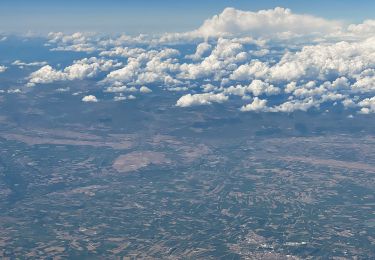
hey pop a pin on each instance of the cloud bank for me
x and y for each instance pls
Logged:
(267, 61)
(278, 22)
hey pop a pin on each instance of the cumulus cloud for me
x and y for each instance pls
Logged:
(278, 22)
(208, 87)
(2, 68)
(322, 61)
(80, 42)
(256, 88)
(123, 52)
(145, 89)
(46, 74)
(367, 105)
(302, 60)
(202, 49)
(80, 69)
(293, 105)
(348, 103)
(148, 67)
(89, 98)
(255, 69)
(256, 105)
(365, 29)
(119, 87)
(201, 99)
(221, 62)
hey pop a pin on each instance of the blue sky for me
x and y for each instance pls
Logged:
(142, 16)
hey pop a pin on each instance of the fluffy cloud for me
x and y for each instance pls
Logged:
(201, 99)
(322, 61)
(89, 98)
(45, 74)
(255, 69)
(221, 62)
(293, 105)
(123, 52)
(80, 42)
(256, 105)
(278, 22)
(85, 68)
(367, 105)
(145, 89)
(365, 82)
(256, 87)
(365, 29)
(2, 68)
(148, 67)
(202, 49)
(119, 87)
(304, 61)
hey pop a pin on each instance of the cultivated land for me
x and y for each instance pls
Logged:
(197, 190)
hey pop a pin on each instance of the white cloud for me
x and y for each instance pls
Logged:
(293, 105)
(89, 98)
(123, 52)
(256, 87)
(14, 91)
(2, 68)
(201, 99)
(127, 73)
(290, 87)
(119, 88)
(177, 89)
(148, 67)
(255, 69)
(145, 89)
(80, 69)
(278, 22)
(367, 105)
(248, 54)
(344, 62)
(365, 29)
(72, 42)
(46, 74)
(348, 103)
(63, 89)
(256, 105)
(365, 82)
(202, 49)
(89, 67)
(208, 87)
(120, 97)
(28, 64)
(221, 62)
(326, 61)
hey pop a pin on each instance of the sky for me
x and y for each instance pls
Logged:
(142, 16)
